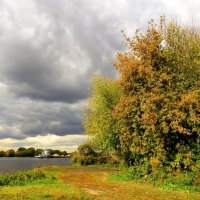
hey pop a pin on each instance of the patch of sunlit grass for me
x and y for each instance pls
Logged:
(49, 187)
(55, 191)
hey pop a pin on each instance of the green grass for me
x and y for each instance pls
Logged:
(87, 183)
(20, 178)
(47, 187)
(38, 192)
(182, 182)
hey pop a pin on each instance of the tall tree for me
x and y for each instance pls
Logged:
(98, 120)
(9, 153)
(158, 113)
(152, 113)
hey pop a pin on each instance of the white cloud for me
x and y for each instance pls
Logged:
(68, 142)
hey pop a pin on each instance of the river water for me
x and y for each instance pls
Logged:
(18, 164)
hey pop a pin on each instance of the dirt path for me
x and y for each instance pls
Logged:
(94, 182)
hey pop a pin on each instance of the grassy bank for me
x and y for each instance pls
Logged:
(86, 183)
(185, 181)
(21, 178)
(38, 184)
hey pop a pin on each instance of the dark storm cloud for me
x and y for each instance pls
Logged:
(36, 67)
(23, 118)
(49, 50)
(52, 54)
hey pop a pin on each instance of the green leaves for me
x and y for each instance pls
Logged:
(160, 94)
(98, 120)
(153, 110)
(20, 178)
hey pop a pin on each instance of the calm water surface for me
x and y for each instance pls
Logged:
(18, 164)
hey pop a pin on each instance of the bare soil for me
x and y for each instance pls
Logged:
(94, 181)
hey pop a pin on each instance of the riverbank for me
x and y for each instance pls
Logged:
(88, 183)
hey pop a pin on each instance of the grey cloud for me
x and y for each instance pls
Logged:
(22, 118)
(68, 41)
(49, 50)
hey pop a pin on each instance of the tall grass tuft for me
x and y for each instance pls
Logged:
(20, 178)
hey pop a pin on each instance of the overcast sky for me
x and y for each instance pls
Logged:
(48, 51)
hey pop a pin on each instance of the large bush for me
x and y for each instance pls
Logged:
(154, 119)
(159, 110)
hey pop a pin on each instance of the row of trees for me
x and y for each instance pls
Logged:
(28, 152)
(151, 113)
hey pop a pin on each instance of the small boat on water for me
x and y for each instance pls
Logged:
(44, 154)
(47, 154)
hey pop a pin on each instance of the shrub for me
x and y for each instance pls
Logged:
(86, 155)
(20, 178)
(83, 160)
(86, 149)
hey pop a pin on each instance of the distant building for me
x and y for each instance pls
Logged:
(44, 154)
(56, 155)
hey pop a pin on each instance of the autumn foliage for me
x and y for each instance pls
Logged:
(98, 120)
(155, 117)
